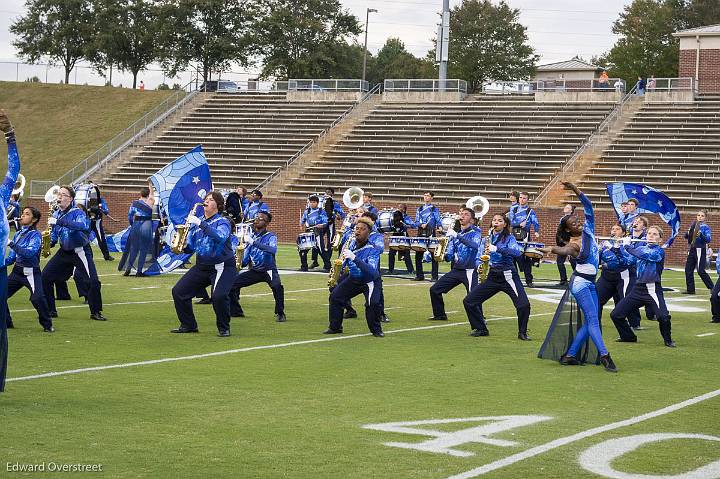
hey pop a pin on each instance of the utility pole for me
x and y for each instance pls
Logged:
(367, 19)
(443, 43)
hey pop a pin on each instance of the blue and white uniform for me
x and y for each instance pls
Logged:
(212, 242)
(72, 233)
(362, 276)
(96, 226)
(334, 212)
(5, 191)
(462, 252)
(517, 216)
(582, 284)
(698, 238)
(426, 214)
(25, 255)
(615, 280)
(259, 257)
(401, 229)
(646, 292)
(14, 217)
(715, 295)
(370, 208)
(502, 276)
(252, 209)
(140, 246)
(316, 219)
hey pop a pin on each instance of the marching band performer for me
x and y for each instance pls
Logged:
(71, 229)
(568, 210)
(715, 296)
(629, 210)
(14, 211)
(254, 206)
(235, 204)
(401, 223)
(582, 246)
(13, 170)
(368, 204)
(313, 218)
(462, 251)
(350, 312)
(140, 248)
(96, 226)
(698, 237)
(616, 278)
(647, 290)
(523, 220)
(259, 256)
(334, 212)
(502, 276)
(362, 261)
(25, 254)
(513, 198)
(210, 238)
(427, 220)
(377, 239)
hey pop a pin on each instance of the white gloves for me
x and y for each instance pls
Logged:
(52, 220)
(249, 240)
(451, 233)
(349, 255)
(193, 220)
(626, 241)
(492, 248)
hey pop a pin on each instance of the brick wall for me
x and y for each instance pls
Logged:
(286, 215)
(709, 69)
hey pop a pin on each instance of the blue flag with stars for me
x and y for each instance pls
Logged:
(649, 200)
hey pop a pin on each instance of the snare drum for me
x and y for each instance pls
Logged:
(306, 241)
(433, 244)
(418, 244)
(399, 243)
(385, 221)
(532, 250)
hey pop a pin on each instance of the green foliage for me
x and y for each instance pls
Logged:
(61, 30)
(163, 86)
(305, 39)
(33, 79)
(488, 43)
(394, 61)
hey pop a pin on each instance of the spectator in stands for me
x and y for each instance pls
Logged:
(604, 81)
(651, 83)
(640, 86)
(619, 86)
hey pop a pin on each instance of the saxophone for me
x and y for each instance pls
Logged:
(45, 242)
(336, 268)
(180, 237)
(485, 258)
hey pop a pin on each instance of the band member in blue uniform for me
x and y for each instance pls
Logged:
(582, 246)
(254, 206)
(513, 198)
(210, 238)
(71, 229)
(334, 212)
(362, 261)
(715, 296)
(96, 213)
(615, 280)
(259, 257)
(427, 220)
(568, 210)
(629, 213)
(314, 219)
(522, 221)
(13, 212)
(401, 223)
(368, 204)
(378, 241)
(25, 255)
(350, 312)
(462, 251)
(647, 290)
(637, 229)
(502, 276)
(698, 238)
(140, 248)
(11, 175)
(235, 204)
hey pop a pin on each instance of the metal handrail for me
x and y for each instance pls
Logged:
(320, 136)
(421, 84)
(119, 142)
(313, 85)
(601, 129)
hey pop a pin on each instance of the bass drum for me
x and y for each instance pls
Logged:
(88, 195)
(385, 220)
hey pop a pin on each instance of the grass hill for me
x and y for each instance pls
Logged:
(60, 125)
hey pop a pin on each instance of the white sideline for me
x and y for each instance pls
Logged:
(240, 350)
(549, 446)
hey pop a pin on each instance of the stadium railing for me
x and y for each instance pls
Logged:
(672, 84)
(320, 85)
(407, 85)
(312, 143)
(119, 142)
(578, 85)
(518, 87)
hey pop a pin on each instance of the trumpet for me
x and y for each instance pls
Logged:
(180, 237)
(46, 236)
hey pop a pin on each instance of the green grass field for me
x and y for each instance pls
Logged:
(57, 125)
(297, 410)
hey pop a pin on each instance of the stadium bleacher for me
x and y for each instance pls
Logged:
(245, 136)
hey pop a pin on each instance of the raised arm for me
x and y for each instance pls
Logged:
(13, 160)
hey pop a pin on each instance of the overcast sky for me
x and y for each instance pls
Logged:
(558, 30)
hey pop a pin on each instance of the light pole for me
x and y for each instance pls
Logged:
(367, 19)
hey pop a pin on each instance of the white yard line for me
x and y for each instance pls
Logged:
(563, 441)
(242, 350)
(705, 334)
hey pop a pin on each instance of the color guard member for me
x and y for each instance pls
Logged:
(698, 238)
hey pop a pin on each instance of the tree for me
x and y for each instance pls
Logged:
(210, 33)
(59, 29)
(127, 35)
(394, 61)
(488, 43)
(301, 39)
(700, 13)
